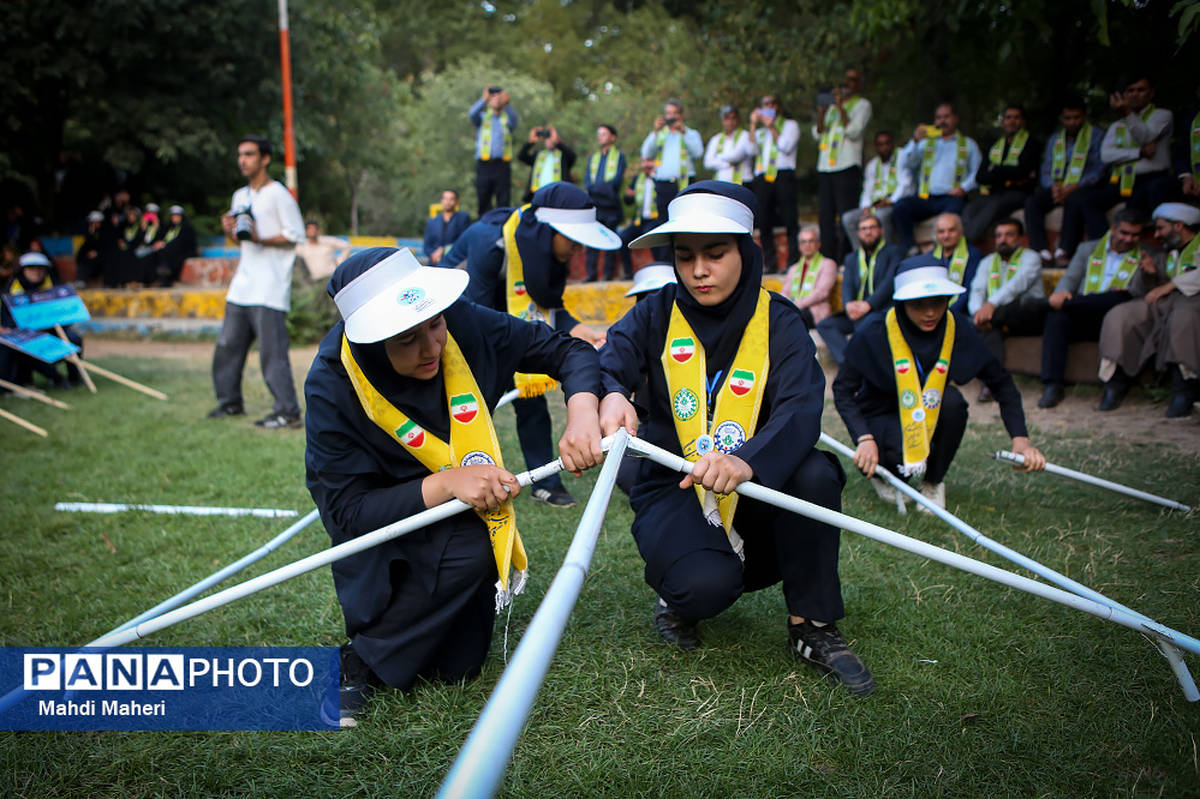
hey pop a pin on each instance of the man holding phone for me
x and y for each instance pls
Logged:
(674, 148)
(494, 122)
(773, 141)
(842, 119)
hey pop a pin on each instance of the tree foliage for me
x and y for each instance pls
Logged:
(159, 90)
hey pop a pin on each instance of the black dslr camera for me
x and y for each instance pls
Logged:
(243, 223)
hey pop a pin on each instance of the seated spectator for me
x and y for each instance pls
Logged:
(810, 280)
(549, 158)
(89, 258)
(1006, 294)
(894, 393)
(1006, 177)
(1137, 150)
(945, 163)
(602, 181)
(1163, 325)
(642, 194)
(959, 258)
(441, 231)
(129, 231)
(176, 243)
(35, 273)
(728, 153)
(866, 285)
(1070, 162)
(1103, 274)
(147, 261)
(885, 183)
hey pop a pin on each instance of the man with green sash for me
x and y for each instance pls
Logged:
(945, 162)
(885, 183)
(549, 158)
(809, 281)
(774, 140)
(602, 179)
(960, 258)
(1187, 156)
(1070, 162)
(642, 196)
(1006, 295)
(1104, 273)
(866, 286)
(674, 148)
(1136, 148)
(1163, 325)
(1006, 177)
(839, 131)
(728, 153)
(494, 121)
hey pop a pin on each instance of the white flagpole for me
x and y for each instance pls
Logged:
(1012, 457)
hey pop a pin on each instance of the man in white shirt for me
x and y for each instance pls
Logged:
(266, 221)
(885, 182)
(729, 154)
(320, 253)
(773, 141)
(674, 149)
(839, 135)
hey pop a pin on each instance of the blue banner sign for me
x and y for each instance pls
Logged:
(42, 346)
(180, 688)
(42, 310)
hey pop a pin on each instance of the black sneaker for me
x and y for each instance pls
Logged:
(557, 498)
(357, 684)
(675, 629)
(279, 421)
(825, 648)
(221, 411)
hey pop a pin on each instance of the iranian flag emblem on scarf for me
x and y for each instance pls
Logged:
(464, 407)
(942, 365)
(741, 381)
(411, 434)
(902, 366)
(519, 288)
(682, 349)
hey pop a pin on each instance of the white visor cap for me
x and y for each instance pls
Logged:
(395, 295)
(651, 278)
(925, 281)
(699, 213)
(579, 224)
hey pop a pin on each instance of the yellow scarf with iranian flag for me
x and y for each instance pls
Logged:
(919, 405)
(521, 305)
(958, 259)
(472, 442)
(738, 403)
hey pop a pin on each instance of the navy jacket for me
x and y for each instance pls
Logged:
(885, 271)
(789, 422)
(606, 194)
(440, 233)
(361, 479)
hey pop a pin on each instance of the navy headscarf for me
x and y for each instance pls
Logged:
(545, 277)
(719, 327)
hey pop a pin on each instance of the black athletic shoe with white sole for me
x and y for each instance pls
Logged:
(356, 687)
(675, 629)
(825, 648)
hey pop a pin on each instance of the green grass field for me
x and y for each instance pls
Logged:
(983, 691)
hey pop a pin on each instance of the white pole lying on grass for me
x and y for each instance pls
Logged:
(970, 565)
(1012, 457)
(126, 635)
(480, 765)
(1171, 653)
(222, 574)
(180, 510)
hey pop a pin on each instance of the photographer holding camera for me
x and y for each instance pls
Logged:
(266, 222)
(673, 147)
(549, 158)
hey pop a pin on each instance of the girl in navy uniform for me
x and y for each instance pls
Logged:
(731, 383)
(893, 390)
(399, 400)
